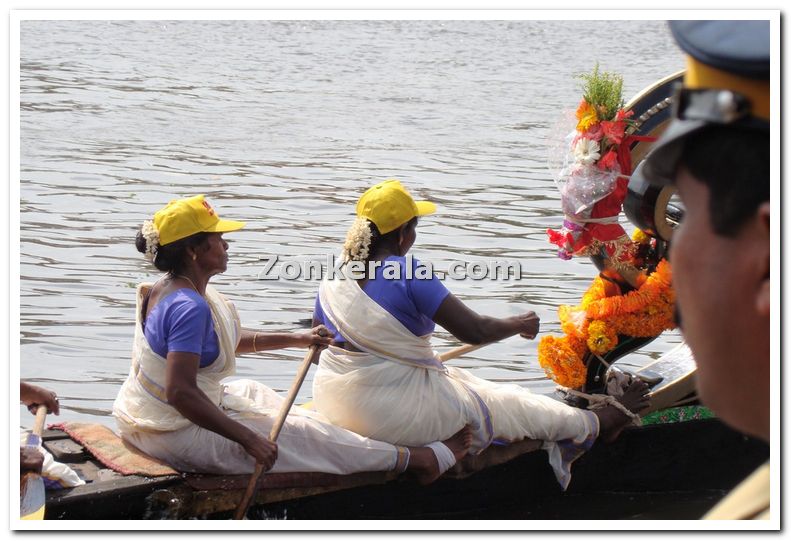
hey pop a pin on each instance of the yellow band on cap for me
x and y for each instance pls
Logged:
(700, 76)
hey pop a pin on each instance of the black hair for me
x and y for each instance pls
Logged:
(172, 257)
(377, 239)
(734, 164)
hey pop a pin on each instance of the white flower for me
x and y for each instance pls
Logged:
(358, 240)
(150, 233)
(586, 151)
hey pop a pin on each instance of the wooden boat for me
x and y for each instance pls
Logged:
(696, 460)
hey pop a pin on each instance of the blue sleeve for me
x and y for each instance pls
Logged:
(318, 313)
(187, 324)
(427, 293)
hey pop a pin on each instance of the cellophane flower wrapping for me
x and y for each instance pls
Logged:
(582, 185)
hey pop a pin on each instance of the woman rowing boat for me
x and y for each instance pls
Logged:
(173, 405)
(381, 377)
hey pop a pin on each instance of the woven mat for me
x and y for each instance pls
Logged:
(112, 451)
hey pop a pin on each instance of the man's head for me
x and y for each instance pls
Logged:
(716, 152)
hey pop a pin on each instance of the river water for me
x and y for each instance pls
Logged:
(283, 124)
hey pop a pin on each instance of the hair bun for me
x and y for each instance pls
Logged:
(358, 241)
(140, 242)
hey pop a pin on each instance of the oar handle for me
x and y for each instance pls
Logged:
(41, 415)
(255, 479)
(292, 393)
(459, 351)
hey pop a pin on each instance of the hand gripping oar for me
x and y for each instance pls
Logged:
(32, 494)
(255, 480)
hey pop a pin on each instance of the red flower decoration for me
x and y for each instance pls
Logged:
(594, 133)
(559, 239)
(613, 131)
(608, 161)
(623, 115)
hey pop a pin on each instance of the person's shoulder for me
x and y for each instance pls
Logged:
(400, 259)
(393, 261)
(405, 261)
(186, 300)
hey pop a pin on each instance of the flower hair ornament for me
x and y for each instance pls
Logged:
(151, 234)
(358, 241)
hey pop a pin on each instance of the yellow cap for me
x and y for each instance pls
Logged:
(184, 217)
(700, 75)
(388, 205)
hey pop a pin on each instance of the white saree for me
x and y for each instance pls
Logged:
(307, 442)
(396, 389)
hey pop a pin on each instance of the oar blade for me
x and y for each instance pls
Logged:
(32, 497)
(32, 494)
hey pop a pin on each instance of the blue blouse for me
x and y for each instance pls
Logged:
(182, 322)
(413, 301)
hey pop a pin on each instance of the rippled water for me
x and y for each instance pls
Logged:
(284, 124)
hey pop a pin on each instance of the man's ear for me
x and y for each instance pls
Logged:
(762, 299)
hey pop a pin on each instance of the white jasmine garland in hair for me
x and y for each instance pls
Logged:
(358, 241)
(150, 233)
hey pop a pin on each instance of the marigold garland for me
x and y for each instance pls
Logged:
(601, 337)
(640, 237)
(594, 325)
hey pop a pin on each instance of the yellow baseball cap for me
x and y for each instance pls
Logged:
(184, 217)
(389, 205)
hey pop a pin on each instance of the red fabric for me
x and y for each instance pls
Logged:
(112, 451)
(625, 153)
(613, 203)
(609, 206)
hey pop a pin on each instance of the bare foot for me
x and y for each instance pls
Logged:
(423, 462)
(612, 420)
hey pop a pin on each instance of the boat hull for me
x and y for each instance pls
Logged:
(697, 459)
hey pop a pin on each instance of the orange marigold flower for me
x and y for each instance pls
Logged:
(601, 337)
(603, 314)
(640, 237)
(561, 362)
(572, 320)
(586, 115)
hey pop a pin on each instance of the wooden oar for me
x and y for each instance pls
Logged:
(459, 351)
(32, 494)
(255, 480)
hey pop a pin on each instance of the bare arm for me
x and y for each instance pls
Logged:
(470, 327)
(255, 341)
(183, 394)
(32, 396)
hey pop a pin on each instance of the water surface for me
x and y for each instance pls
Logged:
(283, 124)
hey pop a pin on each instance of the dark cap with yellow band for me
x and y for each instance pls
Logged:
(726, 84)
